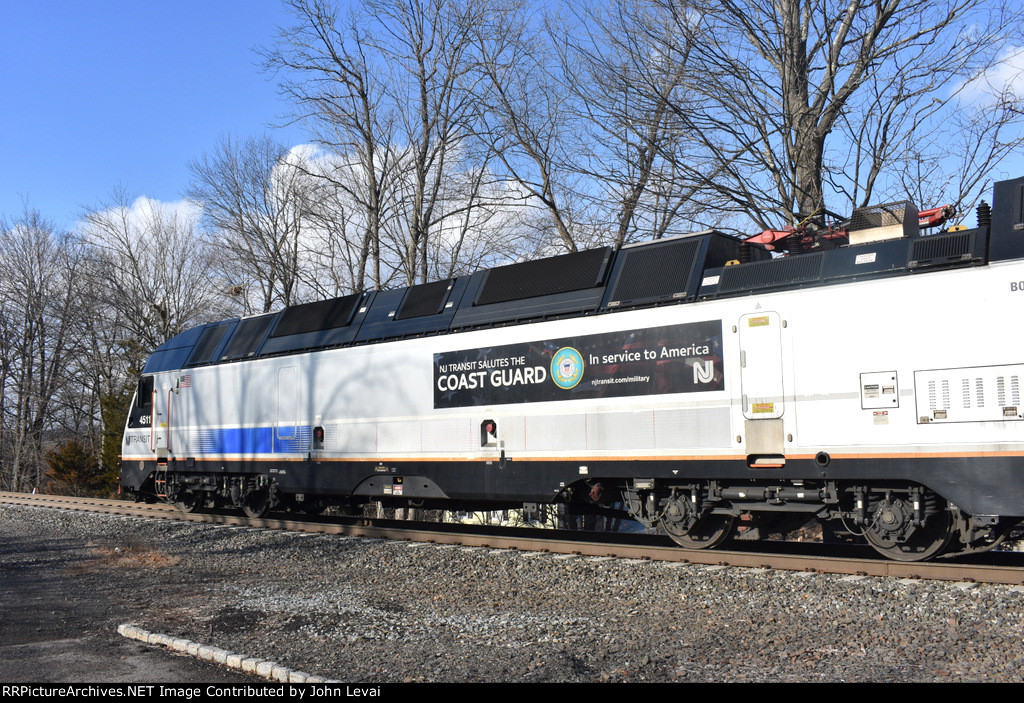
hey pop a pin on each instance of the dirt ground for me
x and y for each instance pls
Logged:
(57, 624)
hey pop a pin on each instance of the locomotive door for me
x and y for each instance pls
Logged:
(761, 387)
(158, 427)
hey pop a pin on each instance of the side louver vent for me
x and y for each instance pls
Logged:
(772, 273)
(942, 249)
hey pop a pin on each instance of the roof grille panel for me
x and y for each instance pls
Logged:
(559, 274)
(655, 273)
(318, 316)
(772, 273)
(424, 299)
(941, 249)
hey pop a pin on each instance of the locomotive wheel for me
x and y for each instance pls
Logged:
(886, 533)
(708, 532)
(256, 504)
(189, 501)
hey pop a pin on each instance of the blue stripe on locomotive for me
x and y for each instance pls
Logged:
(252, 440)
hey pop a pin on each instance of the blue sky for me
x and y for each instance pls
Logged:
(108, 93)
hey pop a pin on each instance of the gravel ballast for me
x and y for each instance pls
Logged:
(359, 610)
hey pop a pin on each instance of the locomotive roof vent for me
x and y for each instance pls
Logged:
(551, 276)
(880, 222)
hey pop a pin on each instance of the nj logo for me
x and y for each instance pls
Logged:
(703, 372)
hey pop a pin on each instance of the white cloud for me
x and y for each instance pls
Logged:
(1005, 78)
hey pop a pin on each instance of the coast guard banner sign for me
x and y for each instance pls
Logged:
(672, 359)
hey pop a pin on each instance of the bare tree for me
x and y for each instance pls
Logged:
(480, 229)
(427, 48)
(953, 161)
(330, 78)
(527, 119)
(625, 72)
(152, 268)
(148, 276)
(580, 105)
(339, 250)
(791, 96)
(39, 274)
(391, 93)
(253, 201)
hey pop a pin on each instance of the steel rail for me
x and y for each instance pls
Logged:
(853, 566)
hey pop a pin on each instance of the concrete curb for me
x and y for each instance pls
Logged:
(250, 665)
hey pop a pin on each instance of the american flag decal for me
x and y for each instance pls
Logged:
(185, 381)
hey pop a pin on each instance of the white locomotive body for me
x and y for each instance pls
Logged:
(875, 386)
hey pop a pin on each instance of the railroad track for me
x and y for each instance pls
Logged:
(966, 570)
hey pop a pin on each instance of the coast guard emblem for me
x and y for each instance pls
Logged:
(566, 368)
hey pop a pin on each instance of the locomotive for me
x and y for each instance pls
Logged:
(866, 374)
